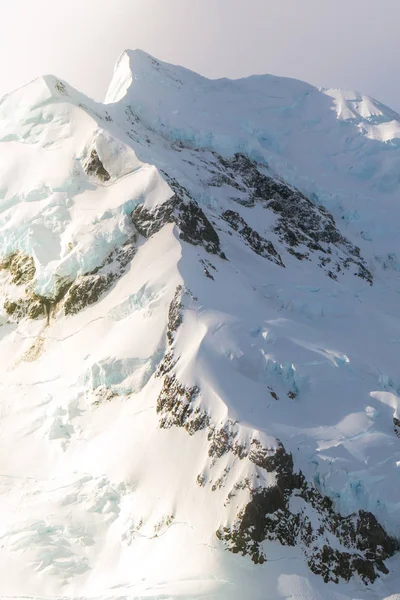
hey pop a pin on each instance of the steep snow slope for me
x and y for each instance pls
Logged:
(198, 342)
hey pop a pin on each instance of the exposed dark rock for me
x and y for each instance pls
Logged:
(273, 393)
(167, 364)
(60, 86)
(290, 511)
(175, 314)
(220, 179)
(35, 306)
(305, 229)
(256, 242)
(207, 266)
(220, 481)
(88, 289)
(104, 394)
(269, 458)
(396, 426)
(95, 167)
(363, 543)
(175, 406)
(201, 479)
(222, 440)
(192, 223)
(31, 306)
(20, 266)
(332, 565)
(251, 180)
(175, 319)
(175, 403)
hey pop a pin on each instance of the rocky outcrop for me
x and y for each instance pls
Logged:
(175, 405)
(223, 439)
(175, 313)
(95, 167)
(178, 404)
(294, 513)
(396, 426)
(290, 511)
(35, 306)
(253, 239)
(89, 288)
(308, 231)
(72, 295)
(20, 266)
(192, 223)
(31, 306)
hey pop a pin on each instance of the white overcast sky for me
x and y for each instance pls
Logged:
(351, 44)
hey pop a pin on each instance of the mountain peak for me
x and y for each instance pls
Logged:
(136, 67)
(199, 317)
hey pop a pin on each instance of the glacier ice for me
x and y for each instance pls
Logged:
(201, 377)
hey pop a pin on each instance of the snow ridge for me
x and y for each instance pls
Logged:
(199, 322)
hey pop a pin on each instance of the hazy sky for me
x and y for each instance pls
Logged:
(332, 43)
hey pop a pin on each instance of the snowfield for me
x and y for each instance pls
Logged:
(199, 340)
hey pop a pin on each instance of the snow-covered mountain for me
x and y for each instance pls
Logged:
(199, 340)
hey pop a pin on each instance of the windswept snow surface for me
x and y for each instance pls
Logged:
(140, 249)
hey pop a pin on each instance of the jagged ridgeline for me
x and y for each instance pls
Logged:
(301, 226)
(198, 333)
(68, 296)
(291, 511)
(334, 546)
(306, 231)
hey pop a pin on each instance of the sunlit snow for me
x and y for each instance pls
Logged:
(96, 500)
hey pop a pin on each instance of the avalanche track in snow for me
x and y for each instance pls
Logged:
(199, 334)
